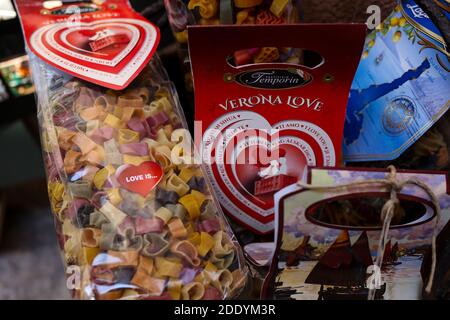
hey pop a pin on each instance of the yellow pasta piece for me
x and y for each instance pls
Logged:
(112, 121)
(190, 203)
(114, 215)
(128, 136)
(174, 289)
(134, 160)
(146, 265)
(168, 268)
(193, 291)
(209, 267)
(114, 196)
(102, 175)
(194, 238)
(207, 242)
(186, 174)
(89, 254)
(177, 228)
(164, 214)
(175, 183)
(199, 196)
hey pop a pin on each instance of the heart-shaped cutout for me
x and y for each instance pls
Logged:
(140, 179)
(109, 52)
(104, 44)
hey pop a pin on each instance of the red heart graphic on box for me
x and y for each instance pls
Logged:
(246, 159)
(109, 52)
(140, 179)
(300, 143)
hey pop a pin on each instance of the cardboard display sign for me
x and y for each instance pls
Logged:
(327, 240)
(107, 44)
(263, 122)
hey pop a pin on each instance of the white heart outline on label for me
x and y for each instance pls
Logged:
(255, 120)
(117, 80)
(50, 38)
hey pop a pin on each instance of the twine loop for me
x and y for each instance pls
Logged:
(388, 212)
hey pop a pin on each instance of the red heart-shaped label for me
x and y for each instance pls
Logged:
(109, 52)
(140, 179)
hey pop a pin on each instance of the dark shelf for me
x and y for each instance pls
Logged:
(17, 108)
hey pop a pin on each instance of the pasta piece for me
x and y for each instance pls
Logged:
(192, 206)
(128, 136)
(192, 291)
(174, 289)
(153, 285)
(164, 214)
(154, 245)
(174, 183)
(168, 268)
(80, 189)
(187, 251)
(113, 121)
(114, 215)
(206, 243)
(90, 237)
(177, 228)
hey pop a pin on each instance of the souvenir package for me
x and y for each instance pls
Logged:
(17, 76)
(262, 124)
(184, 13)
(134, 214)
(362, 234)
(401, 89)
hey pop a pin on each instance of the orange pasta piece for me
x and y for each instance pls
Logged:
(177, 228)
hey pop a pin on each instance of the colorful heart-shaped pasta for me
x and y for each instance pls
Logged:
(129, 240)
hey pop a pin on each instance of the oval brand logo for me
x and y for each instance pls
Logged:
(272, 79)
(74, 9)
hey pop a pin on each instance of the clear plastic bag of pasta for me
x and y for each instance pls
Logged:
(170, 242)
(134, 214)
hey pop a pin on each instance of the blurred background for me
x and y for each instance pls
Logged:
(30, 266)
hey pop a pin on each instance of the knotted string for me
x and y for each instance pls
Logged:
(388, 211)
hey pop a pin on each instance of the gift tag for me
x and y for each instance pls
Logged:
(107, 44)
